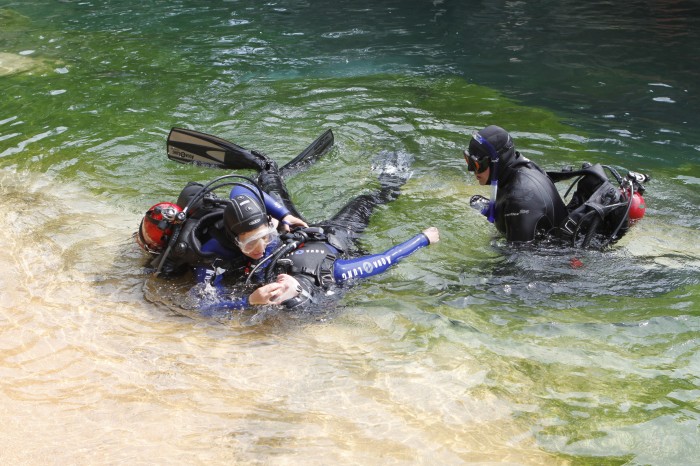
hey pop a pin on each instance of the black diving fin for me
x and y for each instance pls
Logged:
(316, 149)
(189, 146)
(194, 147)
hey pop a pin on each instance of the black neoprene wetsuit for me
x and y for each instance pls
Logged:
(527, 200)
(317, 264)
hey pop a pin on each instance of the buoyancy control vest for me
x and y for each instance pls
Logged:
(598, 211)
(314, 259)
(305, 251)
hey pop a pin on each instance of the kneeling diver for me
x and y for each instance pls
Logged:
(525, 204)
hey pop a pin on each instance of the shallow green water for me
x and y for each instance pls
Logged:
(468, 351)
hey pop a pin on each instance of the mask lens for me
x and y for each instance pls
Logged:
(250, 243)
(475, 164)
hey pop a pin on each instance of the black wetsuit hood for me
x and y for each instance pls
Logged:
(501, 141)
(527, 200)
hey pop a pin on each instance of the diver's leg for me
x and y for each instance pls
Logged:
(310, 155)
(355, 215)
(347, 225)
(270, 181)
(270, 177)
(352, 220)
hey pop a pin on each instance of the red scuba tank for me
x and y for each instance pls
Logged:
(157, 226)
(638, 207)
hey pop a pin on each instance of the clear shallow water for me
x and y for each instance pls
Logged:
(468, 351)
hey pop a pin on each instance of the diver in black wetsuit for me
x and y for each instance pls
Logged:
(245, 236)
(524, 200)
(300, 267)
(525, 204)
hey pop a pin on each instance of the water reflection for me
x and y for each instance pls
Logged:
(551, 277)
(475, 353)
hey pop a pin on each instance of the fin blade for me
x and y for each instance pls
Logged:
(313, 152)
(194, 147)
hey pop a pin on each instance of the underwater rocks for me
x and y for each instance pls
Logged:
(12, 63)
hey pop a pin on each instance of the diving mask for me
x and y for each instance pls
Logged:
(248, 244)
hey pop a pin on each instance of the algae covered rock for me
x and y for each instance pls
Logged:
(10, 19)
(13, 24)
(12, 63)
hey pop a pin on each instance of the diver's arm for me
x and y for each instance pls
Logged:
(210, 295)
(237, 303)
(521, 227)
(209, 292)
(273, 293)
(273, 207)
(286, 291)
(368, 266)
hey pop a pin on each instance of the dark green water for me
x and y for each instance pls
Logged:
(593, 365)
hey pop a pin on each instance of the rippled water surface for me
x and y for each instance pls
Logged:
(470, 351)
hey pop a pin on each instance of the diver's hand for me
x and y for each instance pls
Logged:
(286, 287)
(292, 221)
(432, 234)
(289, 288)
(264, 294)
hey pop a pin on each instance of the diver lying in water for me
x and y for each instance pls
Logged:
(247, 237)
(302, 264)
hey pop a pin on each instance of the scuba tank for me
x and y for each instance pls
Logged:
(638, 206)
